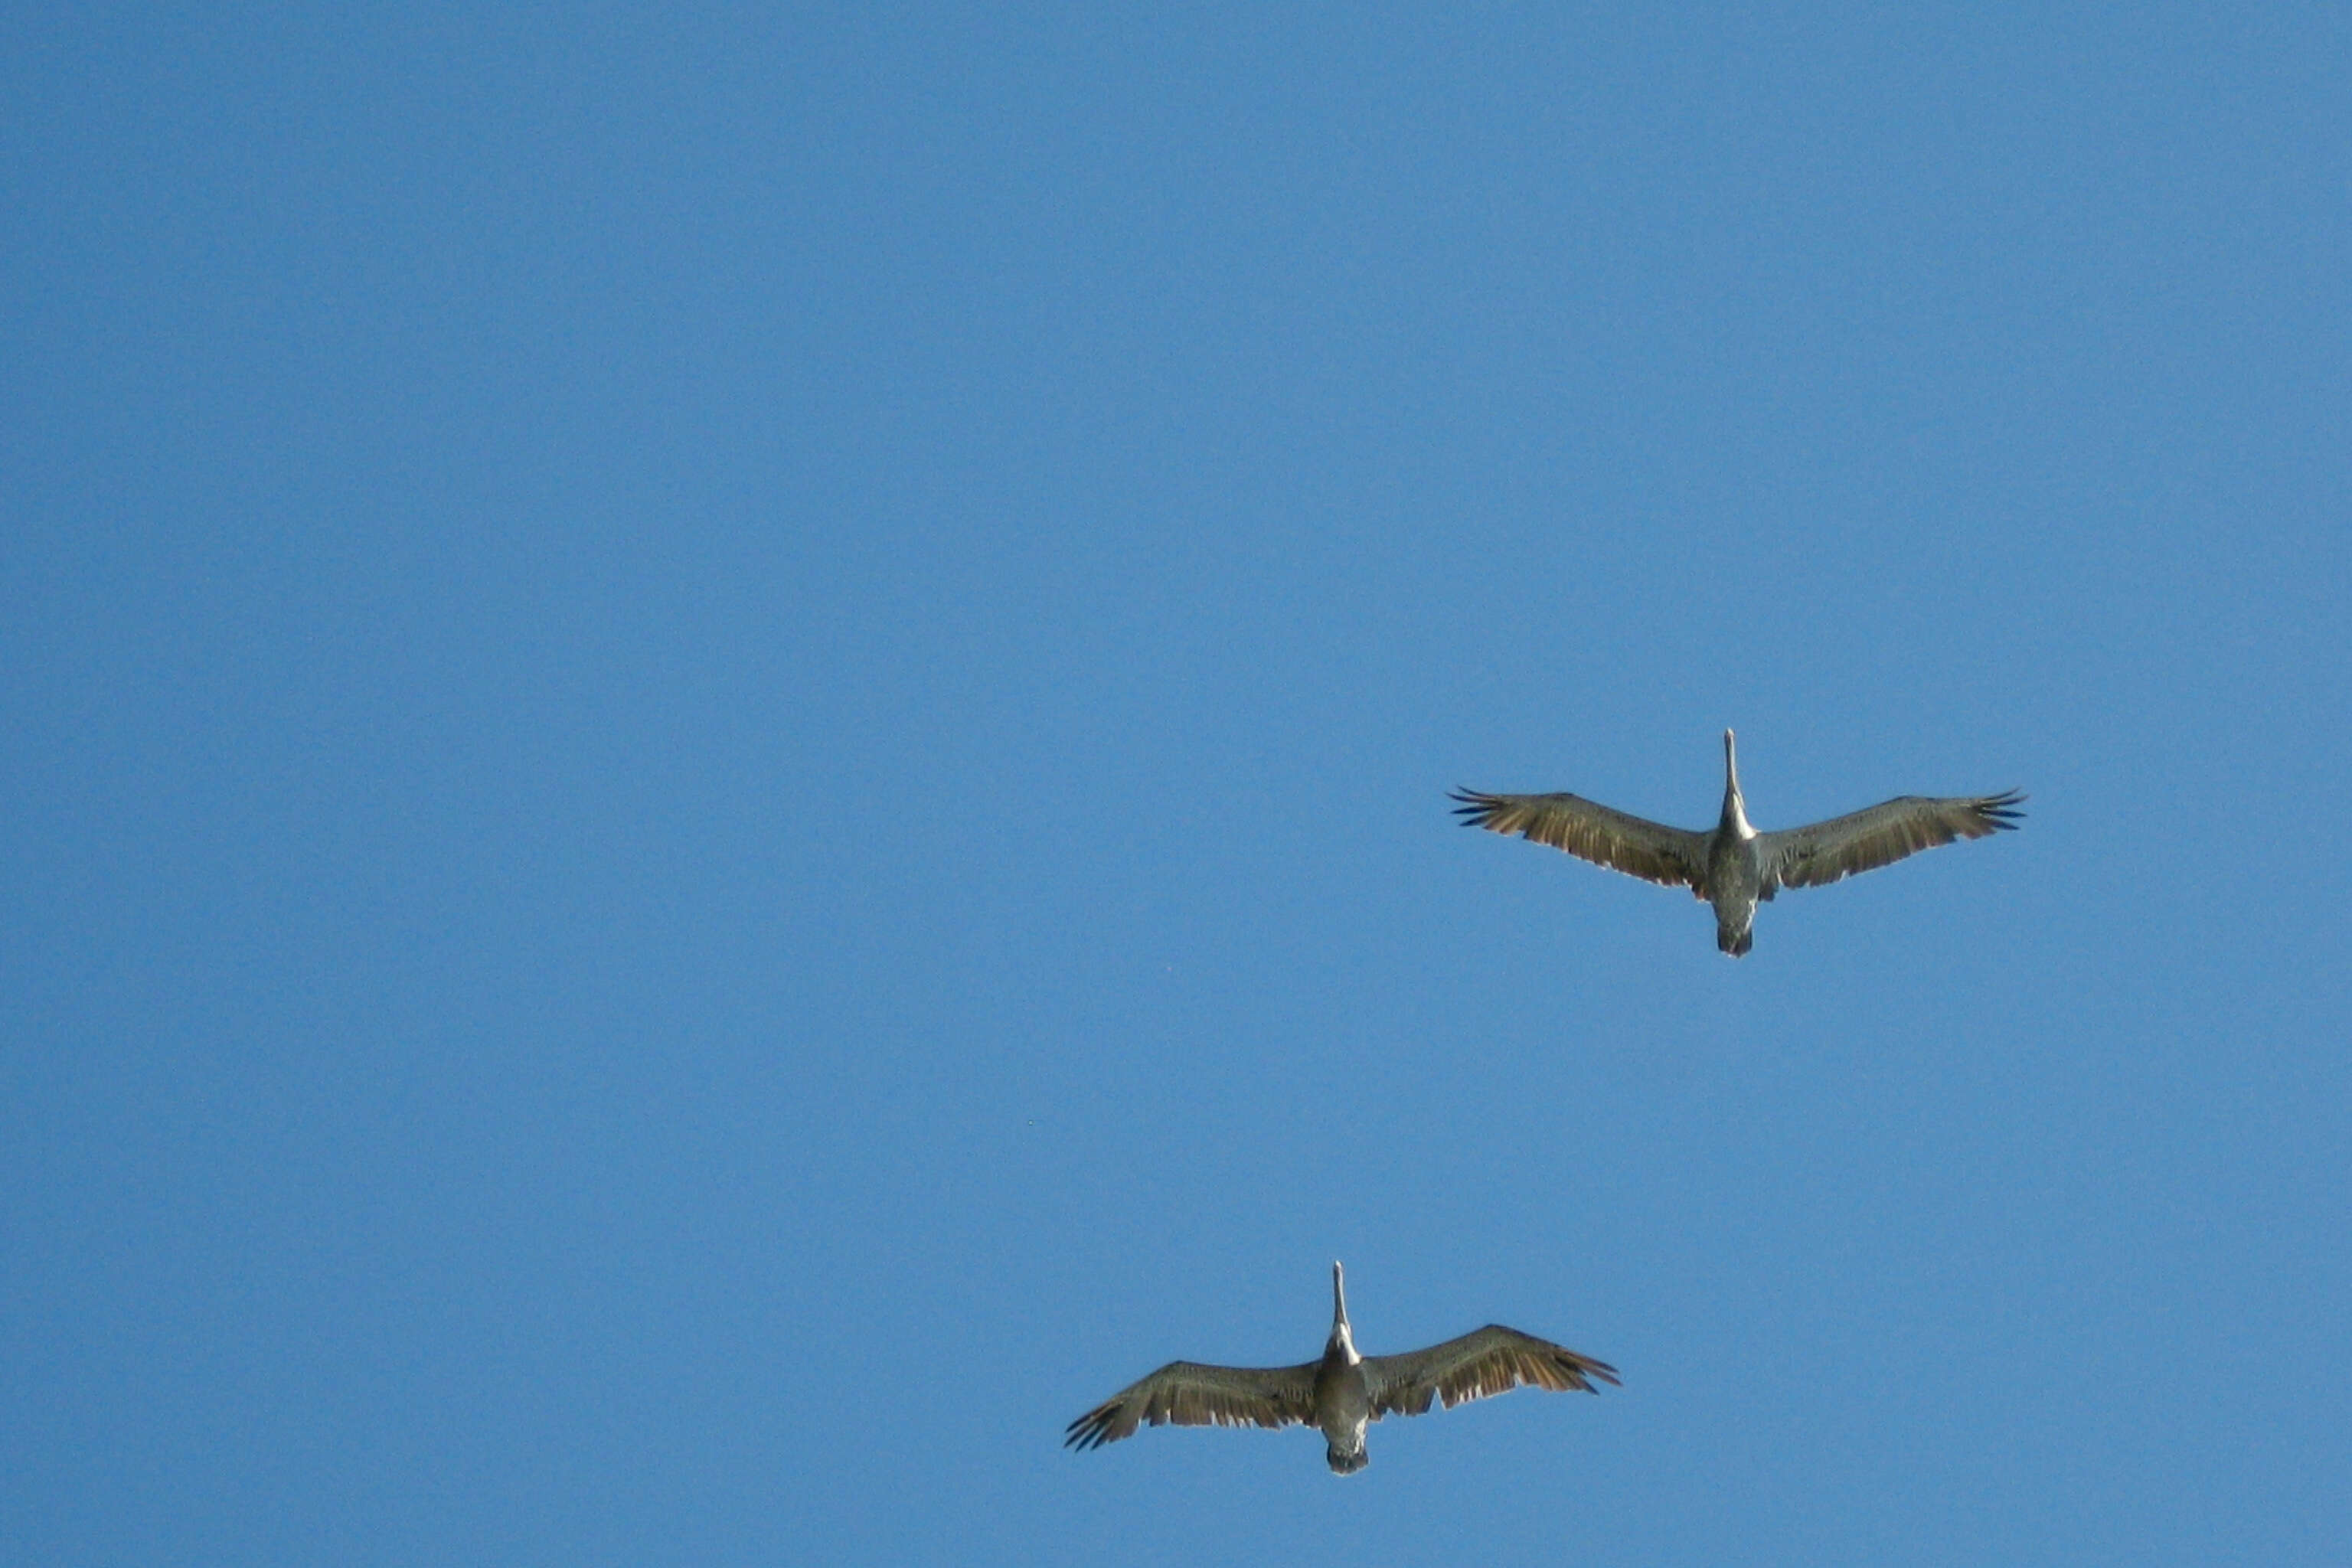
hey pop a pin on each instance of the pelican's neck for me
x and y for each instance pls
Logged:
(1342, 1341)
(1734, 810)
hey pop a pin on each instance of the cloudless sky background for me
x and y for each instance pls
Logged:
(725, 733)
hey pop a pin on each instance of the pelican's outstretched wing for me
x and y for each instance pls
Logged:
(1864, 840)
(1492, 1360)
(1189, 1393)
(1593, 831)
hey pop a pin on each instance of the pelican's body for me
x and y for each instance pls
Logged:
(1735, 868)
(1343, 1395)
(1343, 1392)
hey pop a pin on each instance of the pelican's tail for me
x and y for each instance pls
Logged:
(1735, 942)
(1347, 1464)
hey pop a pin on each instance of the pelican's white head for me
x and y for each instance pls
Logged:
(1342, 1339)
(1734, 808)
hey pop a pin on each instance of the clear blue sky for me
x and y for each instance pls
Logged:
(726, 737)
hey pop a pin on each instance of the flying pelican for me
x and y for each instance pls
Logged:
(1343, 1391)
(1736, 866)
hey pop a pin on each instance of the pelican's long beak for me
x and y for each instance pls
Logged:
(1730, 763)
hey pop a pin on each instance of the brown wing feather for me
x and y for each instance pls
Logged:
(1592, 831)
(1492, 1360)
(1190, 1394)
(1824, 852)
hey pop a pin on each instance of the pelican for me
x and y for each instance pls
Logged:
(1342, 1391)
(1735, 867)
